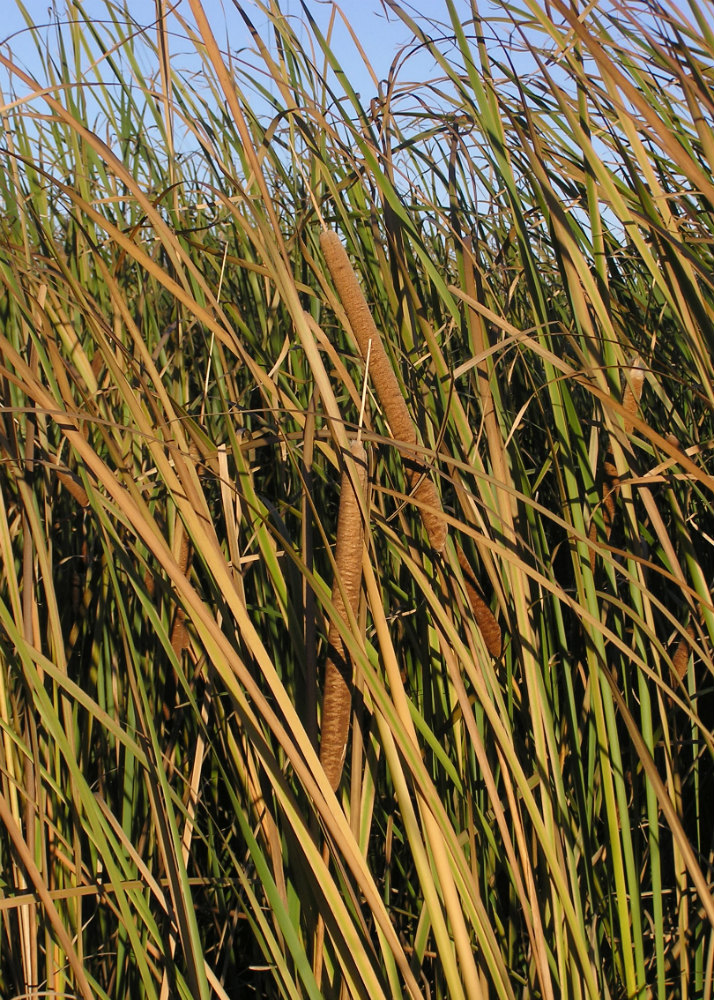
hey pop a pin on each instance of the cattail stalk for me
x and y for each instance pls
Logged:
(337, 697)
(385, 384)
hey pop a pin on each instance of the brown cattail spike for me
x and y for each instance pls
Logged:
(488, 626)
(385, 384)
(337, 697)
(611, 485)
(680, 660)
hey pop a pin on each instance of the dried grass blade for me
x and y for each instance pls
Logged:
(633, 391)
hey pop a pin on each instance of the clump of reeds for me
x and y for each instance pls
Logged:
(386, 385)
(527, 821)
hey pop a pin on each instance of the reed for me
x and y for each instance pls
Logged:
(532, 825)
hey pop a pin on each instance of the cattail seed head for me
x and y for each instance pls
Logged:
(680, 660)
(337, 697)
(385, 382)
(485, 619)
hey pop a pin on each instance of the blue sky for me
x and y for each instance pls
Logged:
(381, 36)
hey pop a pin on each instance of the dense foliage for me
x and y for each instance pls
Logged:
(526, 804)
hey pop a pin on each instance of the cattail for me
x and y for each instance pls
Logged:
(385, 384)
(488, 626)
(73, 486)
(70, 481)
(337, 697)
(680, 660)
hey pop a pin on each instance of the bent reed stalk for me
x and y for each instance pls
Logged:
(337, 697)
(386, 385)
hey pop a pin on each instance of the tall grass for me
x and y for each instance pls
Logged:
(525, 809)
